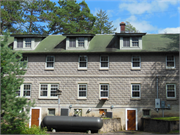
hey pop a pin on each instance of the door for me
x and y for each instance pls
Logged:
(35, 117)
(131, 119)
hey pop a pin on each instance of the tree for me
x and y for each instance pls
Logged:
(11, 67)
(102, 24)
(71, 18)
(11, 16)
(130, 29)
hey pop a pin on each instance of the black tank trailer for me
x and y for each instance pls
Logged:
(72, 123)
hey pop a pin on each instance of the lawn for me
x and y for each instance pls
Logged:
(167, 118)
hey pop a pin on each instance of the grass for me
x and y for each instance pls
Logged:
(167, 118)
(174, 132)
(105, 118)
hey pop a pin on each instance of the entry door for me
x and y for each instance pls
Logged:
(131, 119)
(35, 117)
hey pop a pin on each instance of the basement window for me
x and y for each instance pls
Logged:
(146, 112)
(51, 112)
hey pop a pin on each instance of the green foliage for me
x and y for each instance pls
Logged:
(102, 24)
(11, 16)
(167, 118)
(11, 70)
(34, 130)
(130, 29)
(71, 18)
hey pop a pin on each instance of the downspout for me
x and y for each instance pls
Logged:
(157, 87)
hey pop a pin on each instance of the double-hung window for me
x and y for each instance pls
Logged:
(135, 42)
(104, 91)
(136, 62)
(50, 62)
(48, 90)
(19, 92)
(28, 42)
(83, 62)
(170, 62)
(82, 91)
(126, 42)
(27, 90)
(72, 42)
(81, 42)
(171, 90)
(135, 90)
(104, 62)
(19, 43)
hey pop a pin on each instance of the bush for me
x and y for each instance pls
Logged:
(34, 130)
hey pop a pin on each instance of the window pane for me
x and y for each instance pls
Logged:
(82, 90)
(81, 42)
(18, 92)
(52, 112)
(104, 64)
(82, 64)
(28, 42)
(170, 58)
(104, 94)
(44, 89)
(135, 87)
(126, 42)
(135, 94)
(146, 112)
(43, 93)
(136, 64)
(54, 87)
(171, 94)
(50, 64)
(27, 89)
(19, 43)
(104, 58)
(72, 42)
(170, 64)
(135, 41)
(50, 58)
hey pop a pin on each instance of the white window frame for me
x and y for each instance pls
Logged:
(134, 41)
(85, 97)
(54, 111)
(136, 90)
(23, 90)
(48, 90)
(104, 61)
(170, 61)
(70, 42)
(83, 68)
(103, 90)
(79, 42)
(133, 61)
(174, 91)
(50, 61)
(122, 47)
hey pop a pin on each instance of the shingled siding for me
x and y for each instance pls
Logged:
(119, 64)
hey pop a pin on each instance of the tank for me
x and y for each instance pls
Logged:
(72, 123)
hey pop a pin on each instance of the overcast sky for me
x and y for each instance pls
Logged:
(151, 16)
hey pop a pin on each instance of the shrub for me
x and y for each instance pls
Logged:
(34, 130)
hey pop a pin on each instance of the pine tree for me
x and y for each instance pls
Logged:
(130, 29)
(11, 105)
(102, 24)
(11, 16)
(70, 18)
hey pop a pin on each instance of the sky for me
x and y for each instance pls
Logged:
(150, 16)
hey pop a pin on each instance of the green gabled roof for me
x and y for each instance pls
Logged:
(110, 43)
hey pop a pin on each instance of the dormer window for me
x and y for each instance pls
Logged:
(126, 42)
(81, 42)
(28, 42)
(135, 41)
(72, 42)
(19, 43)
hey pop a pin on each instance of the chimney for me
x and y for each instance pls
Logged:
(122, 24)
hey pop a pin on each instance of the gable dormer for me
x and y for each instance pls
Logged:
(129, 41)
(78, 41)
(27, 41)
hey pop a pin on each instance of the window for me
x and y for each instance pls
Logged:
(19, 92)
(81, 42)
(51, 112)
(136, 62)
(72, 42)
(135, 42)
(104, 90)
(50, 62)
(83, 62)
(170, 62)
(171, 90)
(82, 90)
(24, 61)
(102, 112)
(136, 91)
(126, 42)
(19, 43)
(27, 90)
(48, 90)
(104, 60)
(28, 42)
(146, 112)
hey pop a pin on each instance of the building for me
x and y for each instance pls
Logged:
(122, 73)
